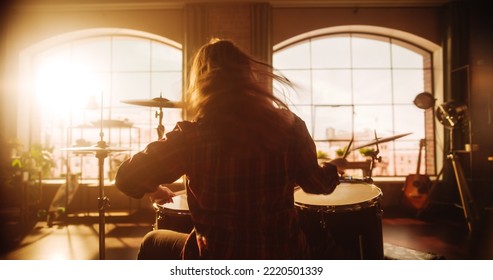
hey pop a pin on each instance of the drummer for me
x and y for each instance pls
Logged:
(243, 155)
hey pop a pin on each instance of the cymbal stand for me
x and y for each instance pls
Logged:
(374, 157)
(103, 201)
(160, 127)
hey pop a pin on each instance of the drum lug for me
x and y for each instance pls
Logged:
(380, 213)
(323, 222)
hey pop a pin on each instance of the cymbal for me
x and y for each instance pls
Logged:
(112, 123)
(381, 140)
(95, 148)
(155, 102)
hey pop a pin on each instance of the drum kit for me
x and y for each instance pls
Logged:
(347, 221)
(101, 150)
(346, 224)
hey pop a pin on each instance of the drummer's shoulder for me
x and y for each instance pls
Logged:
(181, 128)
(185, 125)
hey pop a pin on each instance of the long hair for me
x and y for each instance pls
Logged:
(231, 90)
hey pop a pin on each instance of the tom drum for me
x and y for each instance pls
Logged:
(346, 224)
(174, 216)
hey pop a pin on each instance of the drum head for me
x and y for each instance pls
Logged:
(345, 195)
(179, 204)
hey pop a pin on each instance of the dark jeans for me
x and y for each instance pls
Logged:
(162, 244)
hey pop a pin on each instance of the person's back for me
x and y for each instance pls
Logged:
(243, 155)
(242, 200)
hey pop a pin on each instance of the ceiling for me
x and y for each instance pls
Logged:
(275, 3)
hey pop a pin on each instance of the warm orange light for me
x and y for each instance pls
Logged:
(63, 85)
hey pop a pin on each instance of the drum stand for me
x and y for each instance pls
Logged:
(101, 150)
(103, 201)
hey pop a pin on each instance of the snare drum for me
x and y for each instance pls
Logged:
(346, 224)
(174, 216)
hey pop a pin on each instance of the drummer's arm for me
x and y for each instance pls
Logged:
(310, 176)
(161, 162)
(320, 180)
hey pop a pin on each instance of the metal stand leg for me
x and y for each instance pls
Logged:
(103, 202)
(468, 205)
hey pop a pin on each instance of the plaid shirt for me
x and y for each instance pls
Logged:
(242, 206)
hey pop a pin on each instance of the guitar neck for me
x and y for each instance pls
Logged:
(421, 145)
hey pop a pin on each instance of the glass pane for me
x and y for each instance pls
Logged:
(305, 113)
(332, 87)
(409, 118)
(406, 156)
(95, 53)
(371, 119)
(331, 52)
(370, 52)
(168, 84)
(130, 86)
(301, 92)
(333, 129)
(333, 122)
(293, 57)
(372, 87)
(407, 84)
(165, 58)
(405, 55)
(131, 54)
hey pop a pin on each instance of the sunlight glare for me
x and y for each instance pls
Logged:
(64, 85)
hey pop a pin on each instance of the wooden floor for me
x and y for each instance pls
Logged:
(433, 235)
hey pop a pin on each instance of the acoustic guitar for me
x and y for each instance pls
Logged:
(417, 186)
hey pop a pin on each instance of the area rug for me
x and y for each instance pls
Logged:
(394, 252)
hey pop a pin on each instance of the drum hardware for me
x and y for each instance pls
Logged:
(160, 103)
(381, 140)
(174, 216)
(374, 155)
(365, 166)
(102, 150)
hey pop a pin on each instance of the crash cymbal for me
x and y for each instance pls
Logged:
(381, 140)
(155, 102)
(95, 148)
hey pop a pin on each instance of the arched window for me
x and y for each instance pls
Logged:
(356, 85)
(79, 86)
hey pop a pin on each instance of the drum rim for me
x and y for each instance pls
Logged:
(375, 201)
(162, 208)
(341, 208)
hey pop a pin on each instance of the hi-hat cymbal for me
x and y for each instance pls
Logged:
(155, 102)
(381, 140)
(95, 148)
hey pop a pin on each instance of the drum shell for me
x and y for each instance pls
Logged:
(174, 216)
(344, 231)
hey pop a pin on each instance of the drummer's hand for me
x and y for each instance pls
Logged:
(160, 131)
(162, 195)
(341, 164)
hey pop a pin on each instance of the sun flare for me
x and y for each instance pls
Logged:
(63, 85)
